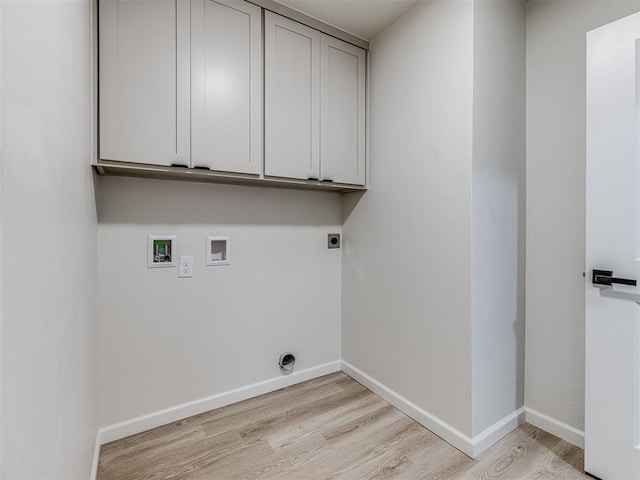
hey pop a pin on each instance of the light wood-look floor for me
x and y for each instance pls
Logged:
(328, 428)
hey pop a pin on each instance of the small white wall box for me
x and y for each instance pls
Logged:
(161, 251)
(218, 250)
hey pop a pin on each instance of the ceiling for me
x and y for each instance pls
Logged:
(363, 18)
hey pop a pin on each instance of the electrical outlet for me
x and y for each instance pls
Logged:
(185, 269)
(333, 240)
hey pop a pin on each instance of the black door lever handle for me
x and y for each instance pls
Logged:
(605, 277)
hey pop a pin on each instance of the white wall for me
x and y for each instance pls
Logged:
(165, 341)
(498, 210)
(1, 230)
(556, 92)
(49, 268)
(407, 241)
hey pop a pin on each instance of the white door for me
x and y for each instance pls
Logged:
(612, 349)
(342, 143)
(292, 99)
(226, 86)
(144, 81)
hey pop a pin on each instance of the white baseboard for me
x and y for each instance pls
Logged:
(96, 457)
(556, 427)
(471, 447)
(498, 430)
(163, 417)
(445, 431)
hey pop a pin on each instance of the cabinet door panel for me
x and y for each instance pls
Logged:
(226, 83)
(292, 98)
(342, 141)
(144, 81)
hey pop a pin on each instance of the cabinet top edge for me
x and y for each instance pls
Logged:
(312, 22)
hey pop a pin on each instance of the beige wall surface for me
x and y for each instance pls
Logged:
(556, 139)
(48, 317)
(407, 258)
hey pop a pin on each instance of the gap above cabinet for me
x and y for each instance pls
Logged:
(125, 169)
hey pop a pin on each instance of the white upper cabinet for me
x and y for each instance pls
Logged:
(292, 99)
(181, 83)
(226, 86)
(342, 140)
(314, 104)
(144, 81)
(190, 83)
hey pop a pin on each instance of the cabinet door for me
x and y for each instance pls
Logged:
(342, 140)
(226, 85)
(144, 81)
(292, 99)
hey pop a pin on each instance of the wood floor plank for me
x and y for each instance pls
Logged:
(328, 428)
(270, 411)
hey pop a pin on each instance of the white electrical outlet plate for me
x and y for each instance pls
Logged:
(185, 269)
